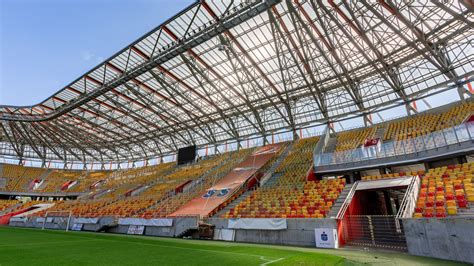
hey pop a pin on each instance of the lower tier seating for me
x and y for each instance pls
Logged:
(312, 199)
(392, 175)
(445, 190)
(7, 204)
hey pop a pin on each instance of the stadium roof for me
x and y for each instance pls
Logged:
(230, 70)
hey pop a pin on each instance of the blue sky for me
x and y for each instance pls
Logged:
(46, 44)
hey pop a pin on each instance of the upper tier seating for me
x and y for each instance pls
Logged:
(19, 177)
(56, 180)
(292, 196)
(349, 140)
(426, 123)
(445, 190)
(455, 115)
(85, 181)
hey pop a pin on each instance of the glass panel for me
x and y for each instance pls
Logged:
(442, 138)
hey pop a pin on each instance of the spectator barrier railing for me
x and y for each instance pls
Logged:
(435, 140)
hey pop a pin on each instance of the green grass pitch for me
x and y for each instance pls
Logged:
(20, 246)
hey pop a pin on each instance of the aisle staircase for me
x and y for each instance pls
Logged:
(43, 177)
(234, 203)
(379, 132)
(331, 145)
(340, 201)
(271, 172)
(269, 182)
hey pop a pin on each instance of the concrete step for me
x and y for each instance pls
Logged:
(466, 212)
(340, 201)
(275, 176)
(379, 132)
(233, 203)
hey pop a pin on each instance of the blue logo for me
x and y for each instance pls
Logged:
(324, 236)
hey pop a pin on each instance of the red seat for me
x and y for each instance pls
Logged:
(460, 197)
(440, 214)
(462, 203)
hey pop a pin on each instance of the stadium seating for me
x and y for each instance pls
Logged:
(171, 202)
(20, 177)
(164, 179)
(445, 190)
(7, 204)
(392, 175)
(292, 196)
(56, 179)
(122, 181)
(349, 140)
(78, 208)
(312, 199)
(423, 124)
(85, 181)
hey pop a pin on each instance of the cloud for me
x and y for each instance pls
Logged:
(87, 55)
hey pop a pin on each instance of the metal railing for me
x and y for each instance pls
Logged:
(409, 199)
(373, 231)
(347, 201)
(408, 203)
(435, 140)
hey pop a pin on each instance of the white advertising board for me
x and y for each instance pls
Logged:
(326, 238)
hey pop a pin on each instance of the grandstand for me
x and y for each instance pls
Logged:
(327, 124)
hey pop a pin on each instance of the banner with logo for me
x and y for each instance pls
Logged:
(77, 227)
(326, 238)
(136, 230)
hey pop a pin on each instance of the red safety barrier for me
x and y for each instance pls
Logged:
(5, 219)
(180, 188)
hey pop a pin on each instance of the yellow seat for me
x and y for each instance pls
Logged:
(452, 210)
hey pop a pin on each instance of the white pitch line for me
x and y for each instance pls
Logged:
(271, 261)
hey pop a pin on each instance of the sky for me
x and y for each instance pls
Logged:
(46, 44)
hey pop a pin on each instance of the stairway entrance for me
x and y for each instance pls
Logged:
(371, 219)
(381, 231)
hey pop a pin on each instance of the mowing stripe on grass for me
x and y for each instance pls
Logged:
(272, 259)
(48, 243)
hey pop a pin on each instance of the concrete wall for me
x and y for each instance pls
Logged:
(450, 238)
(300, 232)
(180, 224)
